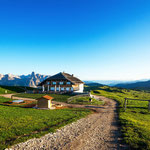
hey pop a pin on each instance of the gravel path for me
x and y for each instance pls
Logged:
(98, 131)
(10, 95)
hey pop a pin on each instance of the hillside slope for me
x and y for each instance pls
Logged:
(13, 89)
(92, 86)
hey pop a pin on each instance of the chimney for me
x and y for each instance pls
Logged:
(72, 75)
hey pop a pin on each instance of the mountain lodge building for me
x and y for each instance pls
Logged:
(62, 83)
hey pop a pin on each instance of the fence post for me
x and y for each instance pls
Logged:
(148, 105)
(125, 104)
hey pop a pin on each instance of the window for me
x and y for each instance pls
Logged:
(67, 89)
(61, 83)
(62, 89)
(52, 88)
(68, 83)
(54, 83)
(48, 83)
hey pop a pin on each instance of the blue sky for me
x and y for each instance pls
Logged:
(93, 39)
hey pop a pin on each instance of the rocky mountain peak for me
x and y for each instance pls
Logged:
(31, 80)
(33, 73)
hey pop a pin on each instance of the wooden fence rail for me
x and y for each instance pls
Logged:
(126, 102)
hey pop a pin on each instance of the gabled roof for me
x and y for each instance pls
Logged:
(47, 97)
(71, 78)
(63, 76)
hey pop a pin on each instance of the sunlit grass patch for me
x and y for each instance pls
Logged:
(57, 97)
(19, 124)
(86, 101)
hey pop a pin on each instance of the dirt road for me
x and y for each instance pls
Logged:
(14, 97)
(98, 131)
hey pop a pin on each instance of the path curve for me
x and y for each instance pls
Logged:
(98, 131)
(14, 97)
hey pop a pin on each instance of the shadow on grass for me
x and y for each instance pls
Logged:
(131, 107)
(93, 107)
(16, 89)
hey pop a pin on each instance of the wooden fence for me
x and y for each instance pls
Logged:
(127, 99)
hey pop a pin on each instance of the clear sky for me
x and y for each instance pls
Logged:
(93, 39)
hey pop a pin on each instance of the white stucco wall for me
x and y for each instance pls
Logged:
(81, 88)
(49, 104)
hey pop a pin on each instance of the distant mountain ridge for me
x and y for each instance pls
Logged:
(136, 84)
(141, 85)
(110, 82)
(31, 80)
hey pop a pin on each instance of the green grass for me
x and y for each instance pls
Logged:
(91, 87)
(136, 120)
(3, 100)
(19, 124)
(85, 101)
(13, 89)
(57, 97)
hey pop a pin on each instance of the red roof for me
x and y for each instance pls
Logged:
(46, 97)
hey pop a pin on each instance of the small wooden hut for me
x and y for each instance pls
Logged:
(45, 102)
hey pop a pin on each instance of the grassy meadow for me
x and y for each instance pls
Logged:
(85, 101)
(57, 97)
(19, 124)
(90, 87)
(135, 121)
(5, 102)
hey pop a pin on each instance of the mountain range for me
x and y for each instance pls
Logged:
(109, 82)
(31, 80)
(139, 85)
